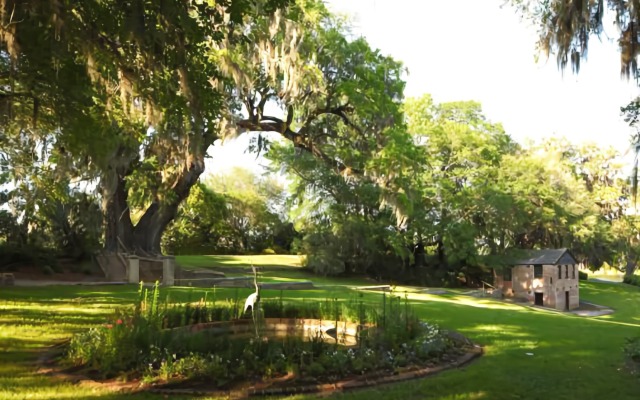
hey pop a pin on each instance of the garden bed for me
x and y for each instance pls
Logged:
(285, 348)
(289, 385)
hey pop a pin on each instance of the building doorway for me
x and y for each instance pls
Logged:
(539, 299)
(566, 300)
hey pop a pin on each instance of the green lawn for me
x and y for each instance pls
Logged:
(273, 268)
(573, 357)
(274, 260)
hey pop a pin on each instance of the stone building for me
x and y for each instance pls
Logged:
(546, 278)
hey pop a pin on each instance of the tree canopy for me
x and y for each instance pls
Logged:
(108, 109)
(133, 94)
(565, 29)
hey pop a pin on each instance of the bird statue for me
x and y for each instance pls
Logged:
(254, 298)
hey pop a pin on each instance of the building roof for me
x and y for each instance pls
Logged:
(545, 257)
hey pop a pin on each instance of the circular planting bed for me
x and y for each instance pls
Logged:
(287, 347)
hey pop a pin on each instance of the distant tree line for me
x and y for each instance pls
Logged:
(108, 109)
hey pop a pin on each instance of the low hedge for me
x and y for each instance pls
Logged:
(632, 280)
(13, 256)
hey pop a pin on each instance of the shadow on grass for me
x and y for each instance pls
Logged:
(530, 354)
(33, 386)
(45, 317)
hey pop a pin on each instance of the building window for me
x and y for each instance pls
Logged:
(537, 271)
(506, 274)
(573, 272)
(559, 271)
(566, 272)
(551, 280)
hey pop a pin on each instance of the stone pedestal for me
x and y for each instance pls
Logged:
(168, 271)
(133, 270)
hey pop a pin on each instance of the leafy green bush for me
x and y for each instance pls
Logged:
(583, 276)
(13, 256)
(632, 349)
(632, 280)
(114, 347)
(190, 366)
(124, 344)
(279, 249)
(325, 263)
(47, 270)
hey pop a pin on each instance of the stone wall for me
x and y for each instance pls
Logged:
(122, 267)
(562, 285)
(524, 285)
(521, 280)
(161, 269)
(113, 266)
(505, 287)
(151, 269)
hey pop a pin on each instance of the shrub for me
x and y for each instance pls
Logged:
(632, 280)
(325, 263)
(632, 349)
(188, 367)
(268, 251)
(315, 369)
(14, 256)
(583, 276)
(47, 270)
(126, 343)
(111, 348)
(279, 249)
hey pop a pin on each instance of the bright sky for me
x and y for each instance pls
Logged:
(478, 50)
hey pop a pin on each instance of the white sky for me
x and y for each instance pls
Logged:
(478, 50)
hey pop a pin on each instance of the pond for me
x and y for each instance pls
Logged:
(334, 332)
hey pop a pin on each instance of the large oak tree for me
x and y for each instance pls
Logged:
(124, 92)
(135, 92)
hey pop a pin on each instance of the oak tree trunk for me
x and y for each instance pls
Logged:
(117, 218)
(631, 266)
(145, 237)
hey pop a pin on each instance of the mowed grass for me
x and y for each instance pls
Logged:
(573, 357)
(273, 268)
(212, 261)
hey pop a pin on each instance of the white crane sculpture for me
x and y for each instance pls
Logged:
(254, 298)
